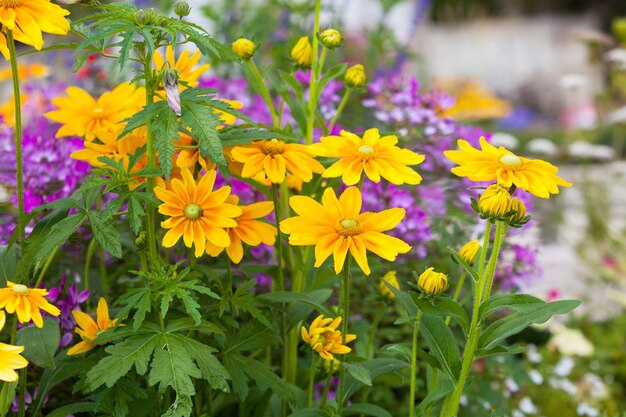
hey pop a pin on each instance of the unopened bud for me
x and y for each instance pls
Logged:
(170, 81)
(355, 76)
(431, 282)
(391, 280)
(517, 210)
(331, 38)
(243, 48)
(469, 251)
(494, 202)
(182, 9)
(302, 53)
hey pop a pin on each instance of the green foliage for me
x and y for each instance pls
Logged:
(40, 345)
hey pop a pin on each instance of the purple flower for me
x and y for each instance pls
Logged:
(67, 300)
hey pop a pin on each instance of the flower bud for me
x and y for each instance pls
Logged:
(141, 239)
(335, 365)
(618, 25)
(518, 209)
(355, 76)
(302, 53)
(170, 81)
(494, 202)
(182, 9)
(389, 278)
(431, 282)
(243, 48)
(331, 38)
(469, 251)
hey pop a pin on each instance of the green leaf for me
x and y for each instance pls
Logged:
(106, 234)
(211, 369)
(309, 412)
(444, 307)
(164, 127)
(518, 321)
(242, 135)
(501, 350)
(470, 270)
(442, 344)
(265, 378)
(251, 336)
(139, 299)
(40, 345)
(84, 407)
(289, 297)
(334, 72)
(172, 366)
(299, 311)
(443, 388)
(7, 394)
(358, 372)
(508, 301)
(8, 265)
(186, 323)
(377, 367)
(367, 409)
(117, 399)
(238, 376)
(404, 350)
(182, 407)
(135, 350)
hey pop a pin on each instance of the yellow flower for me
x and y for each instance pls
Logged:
(243, 48)
(81, 115)
(325, 339)
(7, 110)
(4, 48)
(29, 18)
(490, 163)
(469, 251)
(274, 158)
(88, 329)
(355, 76)
(516, 205)
(26, 303)
(431, 282)
(337, 226)
(250, 231)
(25, 72)
(474, 102)
(302, 52)
(378, 157)
(197, 213)
(331, 38)
(10, 358)
(494, 202)
(184, 64)
(391, 279)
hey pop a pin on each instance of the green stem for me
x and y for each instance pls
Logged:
(22, 404)
(312, 378)
(315, 71)
(264, 92)
(457, 292)
(46, 266)
(373, 328)
(91, 250)
(416, 328)
(150, 151)
(344, 100)
(345, 312)
(485, 247)
(501, 229)
(19, 176)
(280, 285)
(327, 384)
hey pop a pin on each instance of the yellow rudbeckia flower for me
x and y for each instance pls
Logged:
(10, 358)
(490, 163)
(88, 329)
(337, 226)
(26, 303)
(184, 64)
(377, 157)
(325, 339)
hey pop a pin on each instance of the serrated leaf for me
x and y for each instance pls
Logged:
(265, 378)
(40, 345)
(164, 127)
(105, 232)
(82, 407)
(181, 407)
(211, 369)
(138, 299)
(173, 367)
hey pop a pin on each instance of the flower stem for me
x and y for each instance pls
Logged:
(150, 151)
(19, 176)
(344, 100)
(485, 247)
(46, 266)
(280, 285)
(345, 312)
(22, 393)
(264, 92)
(315, 71)
(329, 378)
(501, 229)
(416, 328)
(373, 328)
(312, 378)
(457, 292)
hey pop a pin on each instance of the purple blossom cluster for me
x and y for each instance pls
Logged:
(67, 299)
(517, 267)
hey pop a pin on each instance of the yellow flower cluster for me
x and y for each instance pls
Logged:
(325, 339)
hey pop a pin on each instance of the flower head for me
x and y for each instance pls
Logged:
(88, 329)
(469, 251)
(377, 157)
(172, 92)
(250, 231)
(243, 48)
(517, 211)
(29, 18)
(10, 358)
(82, 115)
(494, 202)
(490, 163)
(184, 64)
(331, 38)
(355, 76)
(337, 227)
(26, 303)
(389, 279)
(302, 53)
(431, 282)
(274, 157)
(197, 213)
(325, 339)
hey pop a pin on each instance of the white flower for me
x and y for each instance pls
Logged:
(527, 406)
(564, 366)
(535, 376)
(511, 385)
(573, 81)
(570, 342)
(533, 354)
(616, 57)
(564, 385)
(504, 139)
(541, 146)
(585, 409)
(517, 413)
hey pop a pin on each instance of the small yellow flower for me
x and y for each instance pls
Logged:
(331, 38)
(302, 52)
(243, 48)
(184, 64)
(494, 202)
(391, 279)
(325, 339)
(431, 282)
(469, 251)
(88, 329)
(26, 72)
(355, 76)
(26, 303)
(10, 358)
(376, 156)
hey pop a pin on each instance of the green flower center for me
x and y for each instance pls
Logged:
(365, 152)
(511, 160)
(193, 211)
(20, 289)
(273, 147)
(349, 227)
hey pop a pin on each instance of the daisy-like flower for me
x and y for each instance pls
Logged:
(29, 18)
(197, 213)
(325, 339)
(10, 358)
(274, 157)
(490, 163)
(337, 226)
(250, 231)
(88, 329)
(26, 303)
(107, 144)
(184, 64)
(378, 157)
(82, 115)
